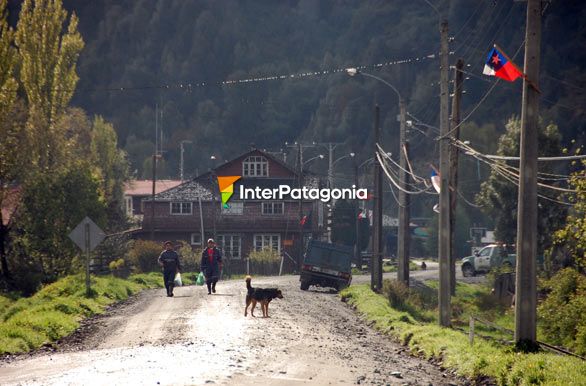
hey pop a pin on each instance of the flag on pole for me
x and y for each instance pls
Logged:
(498, 64)
(435, 180)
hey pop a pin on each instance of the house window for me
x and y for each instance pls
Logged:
(234, 208)
(270, 240)
(181, 208)
(128, 203)
(272, 208)
(255, 166)
(230, 245)
(196, 238)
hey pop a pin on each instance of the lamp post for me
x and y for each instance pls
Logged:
(181, 162)
(403, 235)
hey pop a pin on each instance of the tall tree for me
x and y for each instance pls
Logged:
(9, 131)
(112, 167)
(48, 74)
(498, 196)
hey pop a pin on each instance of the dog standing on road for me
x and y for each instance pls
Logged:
(262, 296)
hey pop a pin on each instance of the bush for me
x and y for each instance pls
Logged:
(415, 301)
(562, 312)
(264, 262)
(143, 255)
(190, 258)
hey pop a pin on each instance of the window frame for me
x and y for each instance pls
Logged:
(221, 239)
(255, 166)
(270, 243)
(181, 208)
(272, 205)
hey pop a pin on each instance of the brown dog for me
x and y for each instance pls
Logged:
(262, 296)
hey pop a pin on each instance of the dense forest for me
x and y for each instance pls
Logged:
(172, 56)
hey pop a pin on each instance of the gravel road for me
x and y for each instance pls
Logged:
(194, 338)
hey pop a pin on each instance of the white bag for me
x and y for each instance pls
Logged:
(178, 282)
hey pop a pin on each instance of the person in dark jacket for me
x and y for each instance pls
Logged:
(169, 260)
(211, 264)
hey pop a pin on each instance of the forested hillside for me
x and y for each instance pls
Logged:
(140, 54)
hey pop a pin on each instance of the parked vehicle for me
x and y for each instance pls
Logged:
(489, 257)
(326, 265)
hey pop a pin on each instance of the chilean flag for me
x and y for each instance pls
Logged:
(498, 64)
(435, 180)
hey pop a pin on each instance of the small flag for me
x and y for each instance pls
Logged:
(435, 180)
(498, 64)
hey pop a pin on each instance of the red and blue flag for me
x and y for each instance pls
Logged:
(498, 64)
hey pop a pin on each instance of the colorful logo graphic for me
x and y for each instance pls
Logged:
(226, 184)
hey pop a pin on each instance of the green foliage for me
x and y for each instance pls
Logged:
(8, 85)
(264, 262)
(483, 359)
(55, 311)
(264, 256)
(52, 205)
(498, 196)
(190, 258)
(112, 168)
(570, 240)
(143, 256)
(116, 264)
(48, 58)
(562, 312)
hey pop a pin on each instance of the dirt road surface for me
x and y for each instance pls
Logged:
(194, 338)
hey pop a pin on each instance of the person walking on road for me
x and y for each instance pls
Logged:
(211, 264)
(169, 260)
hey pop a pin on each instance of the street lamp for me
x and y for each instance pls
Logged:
(403, 231)
(320, 156)
(181, 162)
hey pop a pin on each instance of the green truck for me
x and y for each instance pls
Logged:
(326, 265)
(489, 257)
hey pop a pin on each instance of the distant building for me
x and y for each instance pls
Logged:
(245, 225)
(136, 190)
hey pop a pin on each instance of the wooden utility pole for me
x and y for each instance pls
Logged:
(155, 156)
(300, 183)
(444, 200)
(458, 76)
(376, 272)
(526, 296)
(403, 233)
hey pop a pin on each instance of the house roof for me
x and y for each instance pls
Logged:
(10, 204)
(145, 187)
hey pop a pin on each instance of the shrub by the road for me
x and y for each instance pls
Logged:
(476, 361)
(143, 255)
(563, 312)
(56, 310)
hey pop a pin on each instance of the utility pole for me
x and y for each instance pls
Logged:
(444, 200)
(458, 76)
(155, 156)
(357, 254)
(181, 163)
(403, 233)
(300, 176)
(526, 292)
(376, 278)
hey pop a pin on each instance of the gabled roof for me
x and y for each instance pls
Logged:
(246, 154)
(145, 187)
(187, 191)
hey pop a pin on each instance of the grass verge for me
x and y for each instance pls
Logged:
(482, 359)
(56, 310)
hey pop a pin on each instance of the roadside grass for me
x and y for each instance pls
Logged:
(482, 359)
(56, 310)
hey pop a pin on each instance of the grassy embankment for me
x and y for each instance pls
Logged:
(56, 310)
(418, 329)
